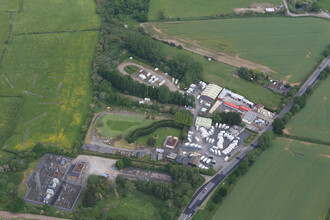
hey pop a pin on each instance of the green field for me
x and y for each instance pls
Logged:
(56, 15)
(159, 134)
(198, 8)
(290, 46)
(224, 75)
(120, 124)
(313, 121)
(131, 69)
(134, 205)
(4, 29)
(324, 4)
(9, 5)
(52, 71)
(9, 108)
(290, 180)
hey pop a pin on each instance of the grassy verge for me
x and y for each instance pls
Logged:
(159, 135)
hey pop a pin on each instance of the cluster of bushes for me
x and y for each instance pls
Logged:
(326, 51)
(125, 84)
(126, 9)
(252, 75)
(123, 163)
(176, 195)
(230, 118)
(133, 135)
(303, 6)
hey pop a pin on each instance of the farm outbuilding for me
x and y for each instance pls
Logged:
(203, 122)
(170, 142)
(211, 92)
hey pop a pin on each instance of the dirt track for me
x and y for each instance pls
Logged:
(9, 215)
(196, 48)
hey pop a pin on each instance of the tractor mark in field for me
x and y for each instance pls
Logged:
(33, 119)
(31, 93)
(49, 103)
(11, 85)
(204, 51)
(59, 89)
(25, 136)
(59, 77)
(35, 76)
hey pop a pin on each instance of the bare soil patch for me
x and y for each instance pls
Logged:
(325, 155)
(325, 98)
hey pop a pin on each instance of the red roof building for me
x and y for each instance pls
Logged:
(231, 105)
(245, 108)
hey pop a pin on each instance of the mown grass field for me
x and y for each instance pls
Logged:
(51, 70)
(324, 4)
(313, 121)
(290, 46)
(59, 15)
(9, 108)
(159, 134)
(199, 8)
(290, 180)
(9, 5)
(225, 76)
(120, 124)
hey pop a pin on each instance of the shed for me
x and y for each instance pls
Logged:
(172, 156)
(211, 92)
(203, 122)
(194, 161)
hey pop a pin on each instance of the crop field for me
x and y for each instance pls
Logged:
(59, 15)
(9, 5)
(52, 72)
(120, 124)
(276, 42)
(9, 108)
(199, 8)
(4, 29)
(313, 121)
(290, 180)
(160, 134)
(225, 76)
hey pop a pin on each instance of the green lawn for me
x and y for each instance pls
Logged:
(131, 69)
(314, 120)
(160, 135)
(198, 8)
(121, 124)
(224, 75)
(9, 5)
(290, 46)
(56, 15)
(290, 180)
(4, 29)
(9, 108)
(324, 4)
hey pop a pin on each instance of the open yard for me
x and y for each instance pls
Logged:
(276, 42)
(51, 71)
(112, 125)
(290, 180)
(314, 120)
(159, 134)
(199, 8)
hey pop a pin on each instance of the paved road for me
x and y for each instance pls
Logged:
(322, 14)
(209, 186)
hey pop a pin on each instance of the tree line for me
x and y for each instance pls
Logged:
(229, 118)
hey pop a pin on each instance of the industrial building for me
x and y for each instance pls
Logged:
(210, 93)
(203, 122)
(249, 117)
(77, 170)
